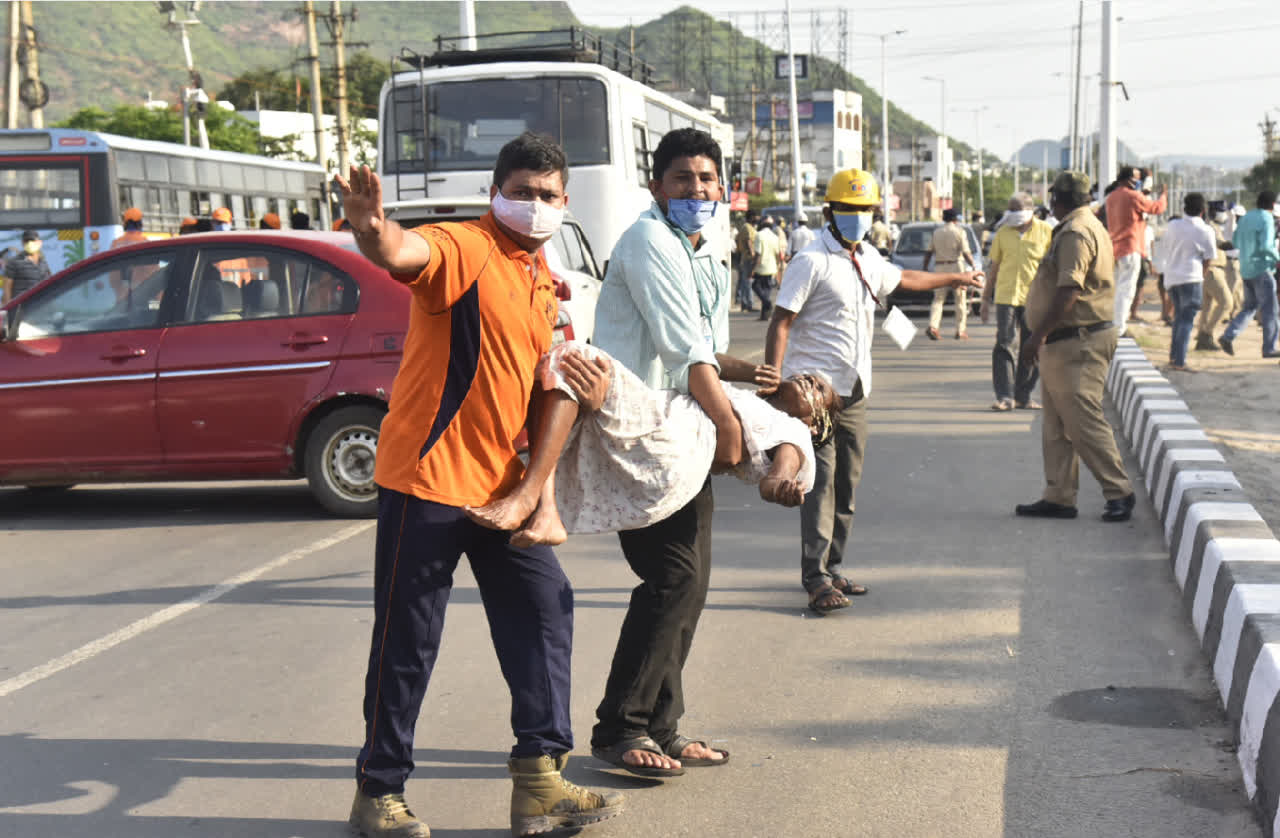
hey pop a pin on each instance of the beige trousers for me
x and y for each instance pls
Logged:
(940, 298)
(1217, 301)
(1236, 284)
(1073, 373)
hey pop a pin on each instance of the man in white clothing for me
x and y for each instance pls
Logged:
(799, 238)
(822, 324)
(1187, 248)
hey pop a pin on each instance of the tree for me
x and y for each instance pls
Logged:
(1264, 177)
(278, 90)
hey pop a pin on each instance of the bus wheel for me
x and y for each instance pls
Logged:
(340, 458)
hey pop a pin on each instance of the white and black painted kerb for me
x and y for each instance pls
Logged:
(1224, 556)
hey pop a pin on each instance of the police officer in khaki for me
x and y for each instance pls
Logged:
(1070, 306)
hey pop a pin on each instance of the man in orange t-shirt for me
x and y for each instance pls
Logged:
(1127, 211)
(132, 228)
(482, 312)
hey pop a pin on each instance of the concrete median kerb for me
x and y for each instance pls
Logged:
(1223, 556)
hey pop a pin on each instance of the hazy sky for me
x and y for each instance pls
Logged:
(1200, 75)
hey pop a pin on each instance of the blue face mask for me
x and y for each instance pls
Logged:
(690, 214)
(852, 226)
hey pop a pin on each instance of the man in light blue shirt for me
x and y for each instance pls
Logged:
(1255, 238)
(663, 313)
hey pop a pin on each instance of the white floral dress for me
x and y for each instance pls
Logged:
(646, 453)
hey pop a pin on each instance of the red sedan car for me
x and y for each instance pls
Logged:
(211, 356)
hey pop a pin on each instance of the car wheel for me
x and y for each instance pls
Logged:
(340, 457)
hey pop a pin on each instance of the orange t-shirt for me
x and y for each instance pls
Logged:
(482, 314)
(129, 237)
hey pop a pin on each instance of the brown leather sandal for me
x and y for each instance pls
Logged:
(848, 588)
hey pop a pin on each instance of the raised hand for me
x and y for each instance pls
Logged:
(362, 200)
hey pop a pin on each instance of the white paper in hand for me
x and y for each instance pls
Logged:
(899, 328)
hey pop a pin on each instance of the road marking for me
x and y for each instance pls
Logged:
(164, 615)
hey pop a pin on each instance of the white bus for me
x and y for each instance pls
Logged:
(71, 187)
(608, 124)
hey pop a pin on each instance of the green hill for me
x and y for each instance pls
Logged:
(106, 54)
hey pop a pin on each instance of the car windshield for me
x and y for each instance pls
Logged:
(915, 240)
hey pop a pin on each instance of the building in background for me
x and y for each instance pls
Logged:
(830, 140)
(922, 179)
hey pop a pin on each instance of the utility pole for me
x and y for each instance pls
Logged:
(317, 103)
(340, 67)
(1044, 175)
(15, 32)
(32, 61)
(773, 141)
(1106, 116)
(194, 92)
(751, 132)
(467, 23)
(796, 201)
(982, 198)
(1074, 156)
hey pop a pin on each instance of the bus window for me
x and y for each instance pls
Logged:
(182, 203)
(232, 177)
(258, 207)
(642, 154)
(471, 120)
(238, 213)
(157, 168)
(207, 173)
(200, 204)
(275, 183)
(152, 208)
(183, 170)
(129, 165)
(40, 197)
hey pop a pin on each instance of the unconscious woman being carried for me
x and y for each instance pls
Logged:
(642, 453)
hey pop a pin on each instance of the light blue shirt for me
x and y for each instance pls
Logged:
(663, 306)
(1255, 238)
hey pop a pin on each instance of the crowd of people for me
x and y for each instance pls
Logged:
(625, 436)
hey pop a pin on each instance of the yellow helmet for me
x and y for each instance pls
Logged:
(853, 186)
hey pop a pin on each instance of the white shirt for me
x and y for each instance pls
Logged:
(835, 312)
(1185, 245)
(799, 240)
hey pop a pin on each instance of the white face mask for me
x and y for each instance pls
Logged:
(1018, 218)
(535, 219)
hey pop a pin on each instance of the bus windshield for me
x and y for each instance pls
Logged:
(40, 195)
(469, 121)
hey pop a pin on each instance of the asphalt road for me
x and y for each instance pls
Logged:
(187, 660)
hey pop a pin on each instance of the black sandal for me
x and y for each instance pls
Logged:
(613, 755)
(827, 593)
(677, 745)
(848, 588)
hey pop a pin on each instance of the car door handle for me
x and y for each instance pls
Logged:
(124, 353)
(301, 341)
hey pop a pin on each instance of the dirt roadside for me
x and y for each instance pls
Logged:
(1236, 399)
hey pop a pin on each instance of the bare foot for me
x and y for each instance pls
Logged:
(648, 759)
(780, 491)
(507, 513)
(543, 527)
(696, 750)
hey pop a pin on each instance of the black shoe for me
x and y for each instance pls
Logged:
(1045, 509)
(1225, 343)
(1205, 343)
(1120, 509)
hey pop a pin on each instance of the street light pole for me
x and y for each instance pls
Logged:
(942, 127)
(885, 184)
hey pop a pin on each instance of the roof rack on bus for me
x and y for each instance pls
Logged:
(573, 44)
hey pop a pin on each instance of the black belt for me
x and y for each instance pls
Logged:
(1076, 331)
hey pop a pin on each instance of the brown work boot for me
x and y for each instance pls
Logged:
(542, 800)
(385, 816)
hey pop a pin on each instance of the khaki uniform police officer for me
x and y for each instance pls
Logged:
(1070, 306)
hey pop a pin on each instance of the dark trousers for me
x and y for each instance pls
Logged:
(763, 284)
(826, 518)
(529, 605)
(1012, 378)
(644, 693)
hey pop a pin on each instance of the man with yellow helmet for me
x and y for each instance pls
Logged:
(822, 324)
